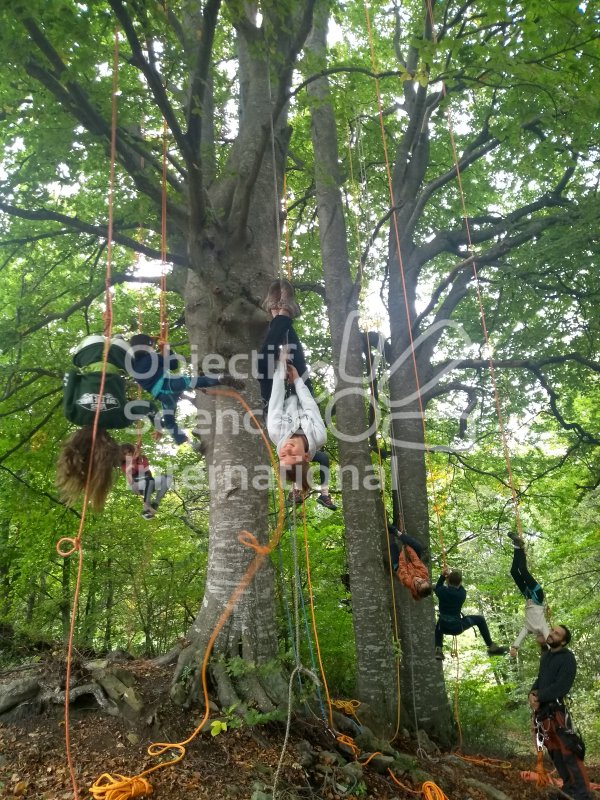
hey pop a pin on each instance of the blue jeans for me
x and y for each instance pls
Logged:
(170, 392)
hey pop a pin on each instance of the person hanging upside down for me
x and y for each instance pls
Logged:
(451, 621)
(535, 619)
(141, 481)
(82, 398)
(152, 371)
(295, 426)
(281, 304)
(407, 553)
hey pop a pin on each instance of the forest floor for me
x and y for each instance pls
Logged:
(234, 764)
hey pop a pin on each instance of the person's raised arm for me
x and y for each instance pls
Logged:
(312, 416)
(275, 427)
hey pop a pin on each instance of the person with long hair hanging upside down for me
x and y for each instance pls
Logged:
(281, 304)
(535, 617)
(451, 621)
(141, 481)
(81, 399)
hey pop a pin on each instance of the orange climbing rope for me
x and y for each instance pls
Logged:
(430, 475)
(119, 787)
(429, 789)
(66, 546)
(381, 471)
(471, 250)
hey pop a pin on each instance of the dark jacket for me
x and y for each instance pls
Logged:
(148, 367)
(451, 599)
(556, 675)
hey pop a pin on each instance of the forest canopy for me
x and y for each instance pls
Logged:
(426, 174)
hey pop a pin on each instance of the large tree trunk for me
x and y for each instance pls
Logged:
(361, 495)
(229, 274)
(422, 675)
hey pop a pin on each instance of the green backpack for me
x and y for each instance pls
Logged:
(82, 396)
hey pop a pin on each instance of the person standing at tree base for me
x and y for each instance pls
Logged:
(551, 718)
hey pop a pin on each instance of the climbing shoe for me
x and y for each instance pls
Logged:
(326, 501)
(516, 539)
(496, 650)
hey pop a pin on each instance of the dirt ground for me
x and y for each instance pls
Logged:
(234, 764)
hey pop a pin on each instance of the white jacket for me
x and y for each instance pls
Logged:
(535, 623)
(288, 414)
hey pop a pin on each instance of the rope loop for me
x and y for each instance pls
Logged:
(108, 787)
(157, 749)
(74, 542)
(249, 540)
(431, 791)
(454, 647)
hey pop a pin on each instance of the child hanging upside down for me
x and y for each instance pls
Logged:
(282, 338)
(407, 553)
(137, 472)
(79, 466)
(535, 618)
(451, 621)
(295, 426)
(152, 371)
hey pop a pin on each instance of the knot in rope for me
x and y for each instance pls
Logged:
(108, 787)
(75, 544)
(160, 748)
(348, 707)
(249, 540)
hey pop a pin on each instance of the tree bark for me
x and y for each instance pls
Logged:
(232, 261)
(361, 493)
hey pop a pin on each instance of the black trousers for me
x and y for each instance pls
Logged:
(526, 583)
(322, 459)
(461, 624)
(281, 332)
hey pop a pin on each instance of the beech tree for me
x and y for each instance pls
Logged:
(219, 76)
(519, 84)
(484, 81)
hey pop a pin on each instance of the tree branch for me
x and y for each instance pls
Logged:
(75, 100)
(199, 78)
(535, 367)
(40, 492)
(153, 78)
(86, 227)
(31, 433)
